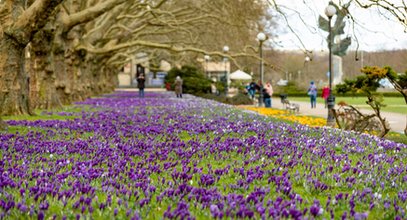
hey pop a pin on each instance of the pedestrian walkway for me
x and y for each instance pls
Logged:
(147, 89)
(397, 121)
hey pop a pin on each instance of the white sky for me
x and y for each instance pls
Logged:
(374, 31)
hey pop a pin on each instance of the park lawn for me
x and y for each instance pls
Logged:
(194, 158)
(394, 104)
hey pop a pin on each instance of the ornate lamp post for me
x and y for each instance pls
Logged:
(207, 58)
(261, 37)
(225, 59)
(330, 11)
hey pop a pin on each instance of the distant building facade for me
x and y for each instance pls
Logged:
(140, 65)
(217, 71)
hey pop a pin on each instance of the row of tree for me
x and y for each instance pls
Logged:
(54, 52)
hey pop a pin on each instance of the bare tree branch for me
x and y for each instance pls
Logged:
(89, 14)
(32, 20)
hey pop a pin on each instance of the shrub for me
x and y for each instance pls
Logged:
(194, 82)
(290, 88)
(239, 99)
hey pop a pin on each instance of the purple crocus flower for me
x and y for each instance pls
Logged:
(40, 215)
(214, 210)
(316, 209)
(360, 216)
(295, 214)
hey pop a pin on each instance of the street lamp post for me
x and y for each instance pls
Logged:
(330, 11)
(306, 60)
(261, 37)
(225, 59)
(207, 58)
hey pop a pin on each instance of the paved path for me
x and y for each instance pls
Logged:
(397, 121)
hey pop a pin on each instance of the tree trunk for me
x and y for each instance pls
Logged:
(85, 80)
(43, 68)
(79, 86)
(47, 95)
(14, 99)
(405, 129)
(33, 78)
(96, 75)
(63, 78)
(66, 65)
(404, 93)
(112, 80)
(76, 68)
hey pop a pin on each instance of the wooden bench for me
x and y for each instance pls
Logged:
(291, 107)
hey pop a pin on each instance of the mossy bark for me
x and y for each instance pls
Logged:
(14, 85)
(44, 69)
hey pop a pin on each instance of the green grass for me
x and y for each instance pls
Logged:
(396, 137)
(394, 104)
(49, 115)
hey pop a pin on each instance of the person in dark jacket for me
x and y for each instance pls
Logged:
(251, 89)
(141, 84)
(266, 98)
(313, 92)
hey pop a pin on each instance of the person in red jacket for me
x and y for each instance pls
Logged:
(325, 95)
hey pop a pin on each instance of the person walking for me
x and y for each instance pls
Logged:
(325, 95)
(141, 84)
(312, 92)
(251, 89)
(214, 90)
(267, 95)
(178, 87)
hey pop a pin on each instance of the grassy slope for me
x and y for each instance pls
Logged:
(394, 104)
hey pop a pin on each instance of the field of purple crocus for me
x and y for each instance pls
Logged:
(121, 157)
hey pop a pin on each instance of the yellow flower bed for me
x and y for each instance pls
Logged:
(285, 115)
